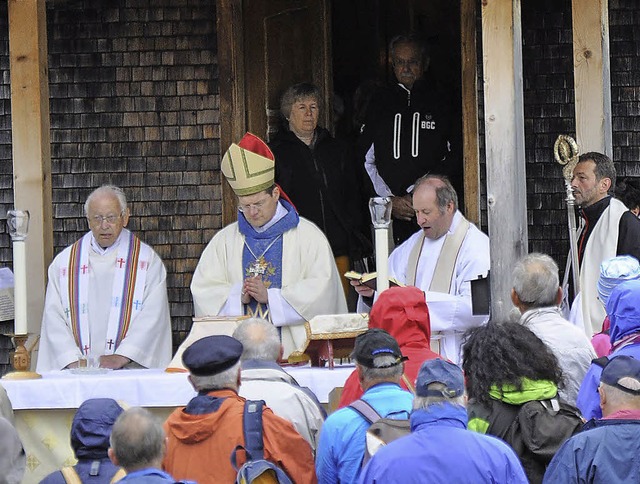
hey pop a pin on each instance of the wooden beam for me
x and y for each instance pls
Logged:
(31, 142)
(470, 150)
(592, 75)
(232, 85)
(504, 128)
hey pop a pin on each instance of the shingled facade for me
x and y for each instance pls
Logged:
(135, 102)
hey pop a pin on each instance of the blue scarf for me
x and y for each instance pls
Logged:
(265, 255)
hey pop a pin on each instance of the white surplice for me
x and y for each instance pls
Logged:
(449, 313)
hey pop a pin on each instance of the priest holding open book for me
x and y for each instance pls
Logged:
(272, 263)
(442, 259)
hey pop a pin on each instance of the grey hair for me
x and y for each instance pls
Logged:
(388, 373)
(619, 398)
(410, 39)
(226, 379)
(445, 193)
(423, 402)
(297, 92)
(535, 280)
(137, 439)
(103, 190)
(604, 166)
(259, 338)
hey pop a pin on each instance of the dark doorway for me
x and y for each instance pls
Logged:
(361, 31)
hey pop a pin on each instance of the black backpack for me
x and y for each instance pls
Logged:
(535, 430)
(381, 431)
(256, 469)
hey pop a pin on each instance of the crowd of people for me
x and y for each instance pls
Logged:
(482, 400)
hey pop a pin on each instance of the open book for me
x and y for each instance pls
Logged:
(370, 279)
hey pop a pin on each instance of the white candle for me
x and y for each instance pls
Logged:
(20, 287)
(382, 258)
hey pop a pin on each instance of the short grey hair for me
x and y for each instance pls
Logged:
(390, 371)
(137, 439)
(259, 338)
(298, 92)
(445, 193)
(619, 398)
(424, 402)
(104, 190)
(226, 379)
(535, 280)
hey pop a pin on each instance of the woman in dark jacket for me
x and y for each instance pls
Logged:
(316, 171)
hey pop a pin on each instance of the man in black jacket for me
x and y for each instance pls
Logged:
(406, 133)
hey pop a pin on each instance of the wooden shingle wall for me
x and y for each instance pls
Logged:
(624, 19)
(134, 102)
(549, 111)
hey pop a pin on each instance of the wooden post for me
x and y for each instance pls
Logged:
(232, 102)
(592, 75)
(470, 150)
(504, 128)
(31, 142)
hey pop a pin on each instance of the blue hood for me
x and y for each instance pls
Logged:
(623, 308)
(91, 427)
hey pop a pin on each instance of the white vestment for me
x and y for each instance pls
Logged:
(148, 339)
(450, 313)
(601, 245)
(283, 395)
(310, 281)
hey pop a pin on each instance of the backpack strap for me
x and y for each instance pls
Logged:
(70, 475)
(120, 473)
(367, 411)
(407, 382)
(252, 429)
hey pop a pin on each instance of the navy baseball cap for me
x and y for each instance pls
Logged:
(622, 372)
(440, 371)
(374, 343)
(212, 355)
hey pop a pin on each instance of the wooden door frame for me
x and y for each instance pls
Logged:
(233, 122)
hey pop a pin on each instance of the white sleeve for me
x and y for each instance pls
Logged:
(233, 305)
(282, 313)
(381, 188)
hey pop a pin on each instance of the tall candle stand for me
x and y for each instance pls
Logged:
(18, 223)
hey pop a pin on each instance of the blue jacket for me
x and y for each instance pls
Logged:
(623, 308)
(342, 438)
(90, 431)
(441, 449)
(607, 453)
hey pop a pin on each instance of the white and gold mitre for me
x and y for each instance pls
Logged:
(249, 166)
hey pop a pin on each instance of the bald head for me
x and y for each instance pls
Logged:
(435, 202)
(260, 340)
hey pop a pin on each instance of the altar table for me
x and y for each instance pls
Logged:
(44, 408)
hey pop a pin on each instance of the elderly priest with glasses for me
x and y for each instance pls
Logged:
(271, 263)
(106, 298)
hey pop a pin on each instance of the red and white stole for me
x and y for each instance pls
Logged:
(131, 267)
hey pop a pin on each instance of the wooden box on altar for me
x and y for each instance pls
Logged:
(332, 336)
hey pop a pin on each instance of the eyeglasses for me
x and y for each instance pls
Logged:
(257, 206)
(96, 221)
(406, 63)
